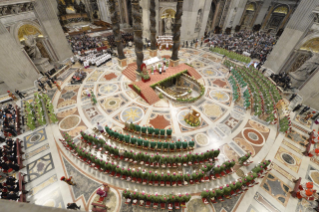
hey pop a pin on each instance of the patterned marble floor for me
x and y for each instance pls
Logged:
(223, 125)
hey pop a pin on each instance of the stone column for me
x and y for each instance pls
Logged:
(137, 28)
(104, 10)
(117, 33)
(153, 50)
(50, 23)
(258, 8)
(298, 25)
(262, 12)
(286, 19)
(177, 33)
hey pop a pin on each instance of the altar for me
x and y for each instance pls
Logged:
(152, 61)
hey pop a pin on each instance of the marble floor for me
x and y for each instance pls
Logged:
(223, 125)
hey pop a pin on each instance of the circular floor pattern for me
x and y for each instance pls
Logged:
(259, 127)
(70, 122)
(201, 139)
(219, 96)
(253, 136)
(288, 158)
(245, 145)
(132, 114)
(210, 73)
(107, 89)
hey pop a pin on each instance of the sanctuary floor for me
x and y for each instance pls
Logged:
(223, 125)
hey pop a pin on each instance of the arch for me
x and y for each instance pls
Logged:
(277, 16)
(31, 24)
(308, 38)
(248, 14)
(282, 8)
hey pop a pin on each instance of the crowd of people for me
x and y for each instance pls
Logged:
(10, 189)
(257, 44)
(84, 42)
(127, 38)
(8, 121)
(8, 156)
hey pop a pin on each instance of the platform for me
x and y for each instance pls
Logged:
(146, 91)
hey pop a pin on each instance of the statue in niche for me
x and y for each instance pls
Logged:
(302, 74)
(31, 44)
(168, 24)
(199, 20)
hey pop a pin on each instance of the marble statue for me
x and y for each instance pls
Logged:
(32, 50)
(168, 24)
(302, 74)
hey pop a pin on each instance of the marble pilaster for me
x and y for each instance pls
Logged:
(104, 11)
(17, 69)
(50, 23)
(262, 12)
(297, 27)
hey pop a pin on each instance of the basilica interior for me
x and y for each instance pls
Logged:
(159, 105)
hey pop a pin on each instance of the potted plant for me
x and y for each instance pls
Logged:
(169, 132)
(144, 131)
(150, 131)
(180, 179)
(164, 200)
(205, 196)
(159, 145)
(162, 180)
(219, 194)
(191, 144)
(139, 176)
(173, 179)
(212, 197)
(217, 171)
(187, 178)
(184, 145)
(135, 196)
(162, 131)
(127, 195)
(167, 178)
(186, 198)
(157, 179)
(226, 191)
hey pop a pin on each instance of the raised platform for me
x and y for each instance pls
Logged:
(145, 89)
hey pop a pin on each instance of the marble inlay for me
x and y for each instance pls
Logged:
(34, 138)
(80, 179)
(39, 167)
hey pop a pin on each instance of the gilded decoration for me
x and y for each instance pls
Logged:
(168, 13)
(281, 9)
(28, 29)
(311, 45)
(251, 7)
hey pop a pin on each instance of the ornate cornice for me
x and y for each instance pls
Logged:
(10, 9)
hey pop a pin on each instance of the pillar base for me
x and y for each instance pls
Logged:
(122, 63)
(153, 53)
(174, 63)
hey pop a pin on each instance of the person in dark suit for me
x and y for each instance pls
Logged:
(73, 206)
(12, 195)
(297, 107)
